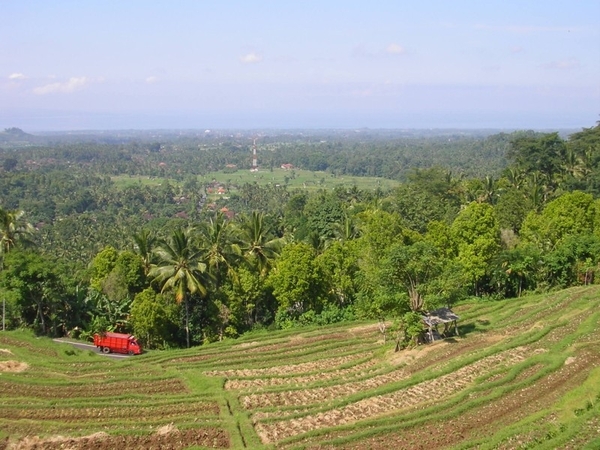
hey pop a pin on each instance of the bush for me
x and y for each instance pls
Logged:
(285, 319)
(413, 324)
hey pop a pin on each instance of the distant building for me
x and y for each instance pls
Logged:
(287, 166)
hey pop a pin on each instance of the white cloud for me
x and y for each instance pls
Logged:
(66, 87)
(16, 76)
(152, 79)
(251, 58)
(395, 49)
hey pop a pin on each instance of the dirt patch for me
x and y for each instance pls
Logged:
(13, 366)
(409, 355)
(166, 429)
(5, 351)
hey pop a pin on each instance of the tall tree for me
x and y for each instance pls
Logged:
(217, 242)
(14, 230)
(297, 281)
(258, 245)
(477, 235)
(143, 246)
(181, 270)
(411, 268)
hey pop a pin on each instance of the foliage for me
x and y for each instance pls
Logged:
(413, 325)
(411, 268)
(477, 235)
(14, 230)
(181, 270)
(297, 281)
(275, 245)
(570, 214)
(33, 284)
(153, 319)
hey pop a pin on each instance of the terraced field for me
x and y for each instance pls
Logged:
(525, 373)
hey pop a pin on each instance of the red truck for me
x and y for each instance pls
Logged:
(117, 342)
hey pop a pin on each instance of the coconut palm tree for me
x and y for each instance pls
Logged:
(257, 244)
(144, 243)
(219, 249)
(14, 230)
(181, 270)
(346, 230)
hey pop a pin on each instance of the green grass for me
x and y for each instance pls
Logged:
(291, 179)
(524, 374)
(298, 178)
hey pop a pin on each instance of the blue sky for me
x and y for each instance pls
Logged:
(306, 64)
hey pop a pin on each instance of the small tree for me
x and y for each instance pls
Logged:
(152, 318)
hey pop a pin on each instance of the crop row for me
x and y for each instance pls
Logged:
(172, 440)
(137, 412)
(113, 389)
(419, 394)
(307, 367)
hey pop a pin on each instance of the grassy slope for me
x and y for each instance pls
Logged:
(524, 374)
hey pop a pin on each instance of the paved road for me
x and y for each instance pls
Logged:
(83, 346)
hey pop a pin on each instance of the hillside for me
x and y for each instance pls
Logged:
(524, 374)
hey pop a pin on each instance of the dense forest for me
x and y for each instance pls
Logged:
(474, 214)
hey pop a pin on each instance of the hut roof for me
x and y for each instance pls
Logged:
(441, 315)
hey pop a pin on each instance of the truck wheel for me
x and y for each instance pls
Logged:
(105, 350)
(130, 352)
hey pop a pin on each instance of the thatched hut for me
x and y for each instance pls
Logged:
(441, 316)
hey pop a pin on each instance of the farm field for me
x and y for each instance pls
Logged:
(525, 373)
(292, 179)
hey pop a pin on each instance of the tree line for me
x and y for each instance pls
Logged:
(106, 258)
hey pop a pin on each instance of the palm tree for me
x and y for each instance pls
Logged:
(257, 243)
(346, 230)
(318, 242)
(143, 246)
(219, 249)
(490, 193)
(180, 269)
(13, 230)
